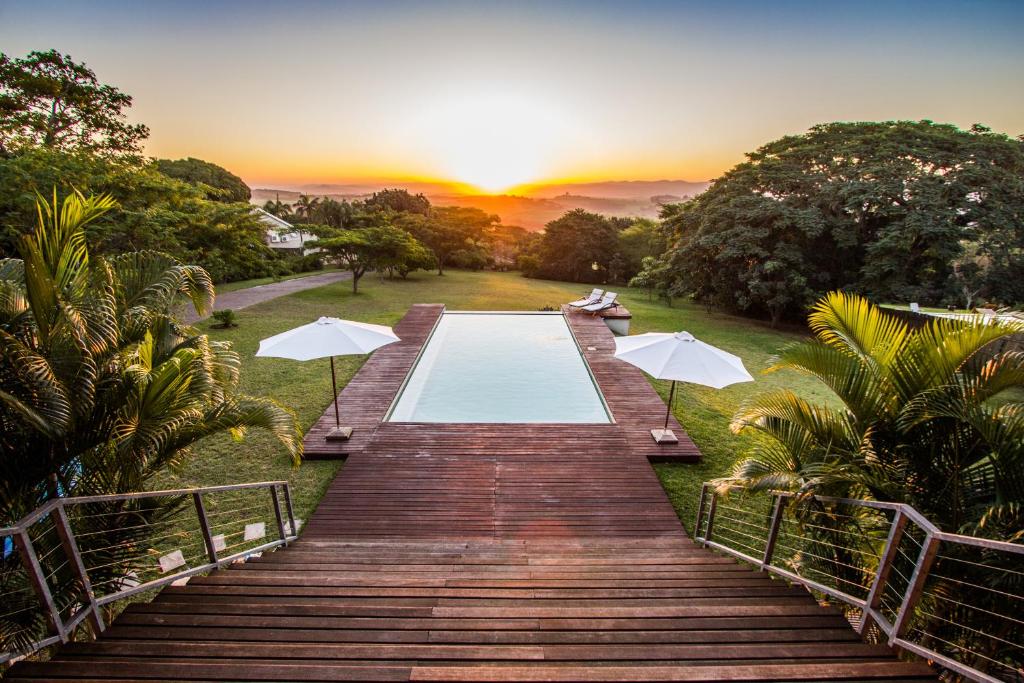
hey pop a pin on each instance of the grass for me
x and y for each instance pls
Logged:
(305, 386)
(246, 284)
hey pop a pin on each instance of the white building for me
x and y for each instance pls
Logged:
(282, 235)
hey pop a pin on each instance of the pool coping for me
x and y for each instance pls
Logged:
(631, 400)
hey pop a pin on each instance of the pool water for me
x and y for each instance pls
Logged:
(500, 367)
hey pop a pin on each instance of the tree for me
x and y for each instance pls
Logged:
(400, 201)
(883, 208)
(395, 252)
(101, 389)
(926, 417)
(931, 417)
(362, 249)
(448, 229)
(278, 208)
(579, 247)
(218, 183)
(640, 239)
(156, 212)
(49, 100)
(305, 207)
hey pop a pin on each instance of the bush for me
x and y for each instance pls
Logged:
(470, 259)
(225, 318)
(307, 263)
(529, 264)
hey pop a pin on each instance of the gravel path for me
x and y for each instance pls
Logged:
(243, 298)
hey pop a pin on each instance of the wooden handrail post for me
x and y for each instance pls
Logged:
(925, 560)
(30, 561)
(67, 540)
(892, 546)
(773, 532)
(711, 517)
(700, 511)
(277, 514)
(289, 509)
(204, 525)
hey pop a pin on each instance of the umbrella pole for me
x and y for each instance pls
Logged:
(334, 387)
(671, 395)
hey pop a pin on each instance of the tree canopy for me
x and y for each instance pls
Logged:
(157, 212)
(400, 201)
(882, 208)
(219, 183)
(446, 230)
(48, 99)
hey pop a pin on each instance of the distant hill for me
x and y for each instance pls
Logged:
(620, 189)
(537, 206)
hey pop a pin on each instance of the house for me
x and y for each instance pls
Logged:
(282, 235)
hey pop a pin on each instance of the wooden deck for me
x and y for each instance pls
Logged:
(635, 406)
(485, 553)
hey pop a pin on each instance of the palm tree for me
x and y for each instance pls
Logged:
(306, 206)
(932, 417)
(101, 387)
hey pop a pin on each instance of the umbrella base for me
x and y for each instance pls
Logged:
(339, 434)
(665, 436)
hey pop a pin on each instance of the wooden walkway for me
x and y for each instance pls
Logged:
(485, 553)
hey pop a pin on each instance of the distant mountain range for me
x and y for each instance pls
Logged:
(532, 209)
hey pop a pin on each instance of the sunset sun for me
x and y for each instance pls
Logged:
(494, 142)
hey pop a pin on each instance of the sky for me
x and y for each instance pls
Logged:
(502, 95)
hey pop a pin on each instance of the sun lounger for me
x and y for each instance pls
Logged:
(592, 298)
(606, 302)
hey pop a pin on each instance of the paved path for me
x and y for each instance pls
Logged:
(243, 298)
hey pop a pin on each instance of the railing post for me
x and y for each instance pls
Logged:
(700, 511)
(289, 509)
(204, 525)
(711, 516)
(35, 574)
(277, 514)
(925, 559)
(773, 532)
(892, 545)
(67, 539)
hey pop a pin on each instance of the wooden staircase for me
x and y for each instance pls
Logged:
(642, 609)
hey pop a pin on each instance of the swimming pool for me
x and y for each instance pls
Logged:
(500, 367)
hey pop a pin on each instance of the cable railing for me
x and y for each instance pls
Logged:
(956, 601)
(67, 560)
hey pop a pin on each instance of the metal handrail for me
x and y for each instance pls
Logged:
(62, 628)
(870, 606)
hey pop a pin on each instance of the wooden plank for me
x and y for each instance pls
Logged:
(485, 552)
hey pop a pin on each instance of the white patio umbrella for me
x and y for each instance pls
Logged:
(679, 356)
(328, 337)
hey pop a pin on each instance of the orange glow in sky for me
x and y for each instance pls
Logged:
(498, 96)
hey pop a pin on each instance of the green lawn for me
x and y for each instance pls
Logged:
(305, 387)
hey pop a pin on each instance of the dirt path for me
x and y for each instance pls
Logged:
(243, 298)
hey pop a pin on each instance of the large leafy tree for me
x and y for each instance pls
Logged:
(100, 387)
(155, 212)
(449, 229)
(218, 183)
(579, 246)
(885, 208)
(400, 201)
(381, 246)
(48, 99)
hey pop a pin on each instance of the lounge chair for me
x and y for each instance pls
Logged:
(606, 302)
(592, 298)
